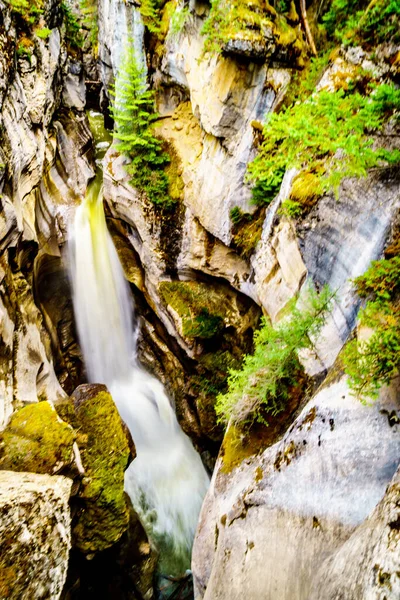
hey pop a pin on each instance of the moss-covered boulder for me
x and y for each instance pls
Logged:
(254, 30)
(197, 307)
(102, 515)
(36, 440)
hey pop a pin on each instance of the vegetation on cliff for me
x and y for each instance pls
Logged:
(364, 22)
(198, 306)
(267, 377)
(330, 135)
(134, 115)
(374, 361)
(254, 28)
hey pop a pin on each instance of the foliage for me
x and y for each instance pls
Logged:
(264, 382)
(237, 215)
(303, 82)
(134, 115)
(43, 33)
(151, 13)
(291, 208)
(329, 133)
(72, 26)
(246, 230)
(29, 10)
(178, 20)
(198, 307)
(362, 22)
(372, 363)
(231, 18)
(89, 11)
(25, 47)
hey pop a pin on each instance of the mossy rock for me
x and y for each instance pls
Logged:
(254, 30)
(197, 305)
(36, 440)
(246, 231)
(105, 453)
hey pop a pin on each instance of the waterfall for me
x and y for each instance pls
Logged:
(167, 481)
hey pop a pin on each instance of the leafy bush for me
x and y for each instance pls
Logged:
(29, 10)
(178, 20)
(327, 134)
(43, 33)
(373, 363)
(72, 26)
(264, 382)
(89, 11)
(134, 115)
(151, 13)
(363, 22)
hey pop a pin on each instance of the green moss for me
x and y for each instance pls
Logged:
(246, 231)
(29, 10)
(36, 440)
(240, 444)
(306, 191)
(43, 33)
(105, 454)
(198, 306)
(238, 20)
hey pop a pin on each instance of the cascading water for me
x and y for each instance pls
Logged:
(167, 481)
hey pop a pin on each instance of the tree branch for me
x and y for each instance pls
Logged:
(306, 25)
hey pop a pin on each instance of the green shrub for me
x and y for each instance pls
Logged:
(72, 26)
(134, 115)
(328, 134)
(373, 363)
(151, 13)
(29, 10)
(363, 22)
(178, 20)
(89, 10)
(43, 33)
(264, 382)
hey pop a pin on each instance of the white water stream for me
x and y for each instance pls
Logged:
(167, 481)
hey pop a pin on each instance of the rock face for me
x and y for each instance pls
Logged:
(284, 522)
(366, 566)
(43, 173)
(35, 534)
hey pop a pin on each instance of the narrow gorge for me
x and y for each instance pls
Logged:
(199, 299)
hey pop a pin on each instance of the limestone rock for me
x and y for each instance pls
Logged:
(366, 567)
(226, 96)
(36, 440)
(338, 240)
(268, 526)
(34, 535)
(118, 22)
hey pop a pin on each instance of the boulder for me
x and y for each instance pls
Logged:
(35, 536)
(102, 514)
(36, 440)
(276, 524)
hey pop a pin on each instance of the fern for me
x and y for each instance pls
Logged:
(134, 115)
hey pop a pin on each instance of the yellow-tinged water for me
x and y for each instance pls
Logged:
(167, 481)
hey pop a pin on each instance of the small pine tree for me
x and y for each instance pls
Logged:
(134, 115)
